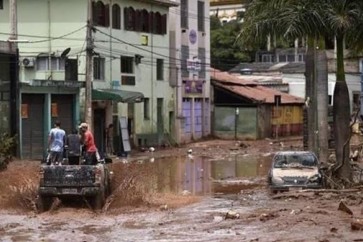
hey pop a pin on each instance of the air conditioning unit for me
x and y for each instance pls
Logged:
(28, 62)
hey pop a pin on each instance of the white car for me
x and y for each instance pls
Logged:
(294, 170)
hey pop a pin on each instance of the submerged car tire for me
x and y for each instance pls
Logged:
(99, 200)
(43, 203)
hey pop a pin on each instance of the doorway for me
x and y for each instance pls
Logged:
(99, 129)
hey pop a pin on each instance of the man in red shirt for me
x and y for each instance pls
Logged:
(89, 146)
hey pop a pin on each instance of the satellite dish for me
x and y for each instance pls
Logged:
(65, 52)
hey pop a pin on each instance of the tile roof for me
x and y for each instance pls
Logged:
(250, 89)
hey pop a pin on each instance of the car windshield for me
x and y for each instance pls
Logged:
(295, 160)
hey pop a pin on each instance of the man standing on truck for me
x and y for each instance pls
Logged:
(74, 147)
(89, 145)
(56, 141)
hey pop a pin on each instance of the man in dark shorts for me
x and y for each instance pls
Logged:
(56, 141)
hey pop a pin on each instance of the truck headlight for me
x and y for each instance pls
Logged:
(277, 180)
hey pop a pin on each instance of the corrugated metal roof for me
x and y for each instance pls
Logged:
(228, 78)
(263, 67)
(251, 90)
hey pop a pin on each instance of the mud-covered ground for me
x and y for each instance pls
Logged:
(219, 194)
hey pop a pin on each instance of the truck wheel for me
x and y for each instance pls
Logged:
(44, 203)
(99, 201)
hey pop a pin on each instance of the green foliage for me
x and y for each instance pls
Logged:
(7, 147)
(226, 51)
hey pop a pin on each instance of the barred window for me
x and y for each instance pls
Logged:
(116, 16)
(201, 16)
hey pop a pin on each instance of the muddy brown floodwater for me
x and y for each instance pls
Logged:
(216, 194)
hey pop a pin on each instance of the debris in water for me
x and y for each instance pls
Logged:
(232, 215)
(343, 207)
(357, 224)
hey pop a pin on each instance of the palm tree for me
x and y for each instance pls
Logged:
(315, 19)
(287, 19)
(342, 18)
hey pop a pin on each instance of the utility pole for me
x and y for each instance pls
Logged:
(14, 86)
(89, 70)
(13, 21)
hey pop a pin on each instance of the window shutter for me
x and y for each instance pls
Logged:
(138, 20)
(151, 22)
(133, 19)
(94, 14)
(107, 15)
(126, 18)
(163, 24)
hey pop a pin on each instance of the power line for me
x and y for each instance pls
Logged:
(47, 38)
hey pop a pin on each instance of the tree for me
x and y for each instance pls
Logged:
(225, 51)
(314, 19)
(342, 17)
(287, 19)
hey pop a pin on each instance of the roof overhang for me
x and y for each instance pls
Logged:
(117, 95)
(167, 3)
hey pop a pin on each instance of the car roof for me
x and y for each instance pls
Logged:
(294, 152)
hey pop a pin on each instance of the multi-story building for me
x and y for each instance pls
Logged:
(189, 69)
(130, 49)
(228, 10)
(8, 67)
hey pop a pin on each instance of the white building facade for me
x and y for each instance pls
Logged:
(130, 53)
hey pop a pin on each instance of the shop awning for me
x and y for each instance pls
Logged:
(117, 95)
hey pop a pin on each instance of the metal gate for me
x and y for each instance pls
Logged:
(187, 114)
(198, 118)
(62, 110)
(32, 121)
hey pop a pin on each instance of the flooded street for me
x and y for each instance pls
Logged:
(205, 196)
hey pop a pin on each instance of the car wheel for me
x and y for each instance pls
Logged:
(99, 200)
(43, 203)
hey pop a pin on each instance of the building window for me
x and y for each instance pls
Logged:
(184, 14)
(101, 14)
(201, 16)
(128, 80)
(129, 18)
(1, 4)
(159, 69)
(127, 64)
(146, 108)
(184, 59)
(45, 63)
(116, 16)
(144, 19)
(201, 54)
(98, 68)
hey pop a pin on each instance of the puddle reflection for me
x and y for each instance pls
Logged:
(195, 175)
